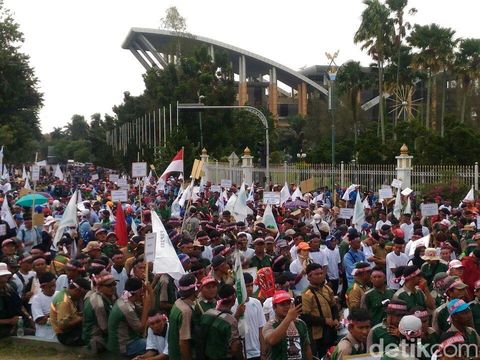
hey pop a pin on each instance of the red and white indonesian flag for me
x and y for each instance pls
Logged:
(175, 166)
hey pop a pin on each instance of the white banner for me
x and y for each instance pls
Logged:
(271, 198)
(216, 188)
(139, 169)
(35, 172)
(95, 177)
(385, 193)
(226, 183)
(119, 195)
(113, 177)
(346, 213)
(122, 183)
(429, 209)
(397, 183)
(150, 245)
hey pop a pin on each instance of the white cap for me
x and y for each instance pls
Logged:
(455, 264)
(4, 269)
(410, 326)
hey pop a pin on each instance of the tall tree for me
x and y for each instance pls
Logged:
(467, 66)
(177, 23)
(375, 33)
(20, 100)
(350, 82)
(435, 53)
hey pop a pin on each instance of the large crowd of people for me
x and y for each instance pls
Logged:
(316, 285)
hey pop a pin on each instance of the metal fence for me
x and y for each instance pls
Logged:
(371, 176)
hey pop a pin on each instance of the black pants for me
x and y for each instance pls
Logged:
(72, 337)
(334, 285)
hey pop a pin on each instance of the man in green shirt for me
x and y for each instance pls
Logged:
(374, 300)
(286, 336)
(260, 259)
(462, 322)
(220, 336)
(475, 306)
(432, 266)
(126, 325)
(409, 292)
(96, 310)
(180, 340)
(386, 333)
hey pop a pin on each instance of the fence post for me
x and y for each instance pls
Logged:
(247, 166)
(216, 172)
(342, 174)
(285, 170)
(404, 167)
(476, 175)
(204, 157)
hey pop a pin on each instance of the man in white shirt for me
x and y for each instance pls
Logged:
(298, 267)
(119, 272)
(41, 304)
(315, 254)
(382, 221)
(333, 257)
(157, 339)
(395, 259)
(255, 320)
(245, 251)
(24, 273)
(407, 227)
(73, 269)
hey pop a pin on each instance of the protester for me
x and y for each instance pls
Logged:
(41, 305)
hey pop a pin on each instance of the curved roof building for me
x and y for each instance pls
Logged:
(153, 48)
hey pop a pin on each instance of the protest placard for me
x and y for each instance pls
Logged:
(271, 198)
(346, 213)
(95, 177)
(216, 188)
(119, 195)
(139, 169)
(429, 209)
(113, 177)
(35, 172)
(150, 246)
(226, 183)
(385, 193)
(397, 183)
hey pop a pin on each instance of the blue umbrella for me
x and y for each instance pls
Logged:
(27, 200)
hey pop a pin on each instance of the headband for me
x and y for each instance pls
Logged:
(37, 261)
(396, 307)
(456, 339)
(227, 299)
(412, 275)
(98, 279)
(73, 267)
(97, 265)
(155, 317)
(203, 238)
(378, 273)
(421, 314)
(117, 256)
(360, 270)
(278, 259)
(25, 259)
(188, 287)
(128, 294)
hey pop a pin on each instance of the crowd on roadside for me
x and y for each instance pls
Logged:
(317, 287)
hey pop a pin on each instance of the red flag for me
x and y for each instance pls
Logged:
(120, 226)
(175, 166)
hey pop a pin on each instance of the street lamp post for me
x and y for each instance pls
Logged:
(332, 75)
(200, 98)
(250, 109)
(301, 158)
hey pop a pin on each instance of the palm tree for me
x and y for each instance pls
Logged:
(350, 82)
(435, 54)
(467, 66)
(375, 34)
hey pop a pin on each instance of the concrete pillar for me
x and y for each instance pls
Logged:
(302, 99)
(404, 167)
(242, 81)
(211, 52)
(204, 157)
(247, 166)
(273, 94)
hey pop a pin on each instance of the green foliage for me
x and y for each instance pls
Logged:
(453, 190)
(20, 99)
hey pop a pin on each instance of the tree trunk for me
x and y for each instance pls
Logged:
(442, 114)
(434, 103)
(380, 104)
(429, 94)
(464, 104)
(354, 102)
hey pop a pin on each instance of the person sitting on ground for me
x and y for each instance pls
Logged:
(455, 289)
(375, 299)
(41, 305)
(157, 339)
(65, 315)
(361, 275)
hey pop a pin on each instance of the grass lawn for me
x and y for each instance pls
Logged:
(11, 350)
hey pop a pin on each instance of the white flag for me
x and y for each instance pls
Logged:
(297, 194)
(250, 194)
(27, 184)
(397, 208)
(24, 173)
(366, 205)
(424, 241)
(166, 259)
(58, 173)
(268, 219)
(6, 215)
(346, 195)
(408, 207)
(470, 196)
(134, 227)
(240, 208)
(176, 208)
(358, 213)
(230, 203)
(69, 218)
(284, 194)
(111, 216)
(186, 195)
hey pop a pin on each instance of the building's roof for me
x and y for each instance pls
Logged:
(255, 64)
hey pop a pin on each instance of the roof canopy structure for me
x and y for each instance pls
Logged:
(152, 46)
